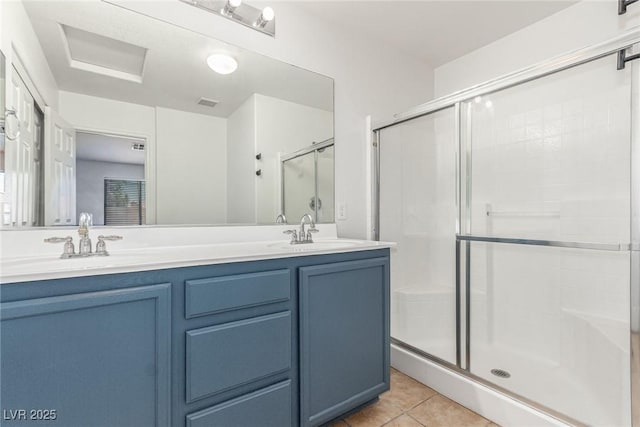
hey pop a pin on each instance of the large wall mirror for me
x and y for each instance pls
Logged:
(120, 115)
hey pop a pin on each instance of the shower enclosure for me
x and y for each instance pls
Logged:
(515, 206)
(308, 183)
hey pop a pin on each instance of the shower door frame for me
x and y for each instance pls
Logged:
(313, 148)
(456, 100)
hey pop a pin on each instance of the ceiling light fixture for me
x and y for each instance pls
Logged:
(265, 17)
(222, 63)
(238, 11)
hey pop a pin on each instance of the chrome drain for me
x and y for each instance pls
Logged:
(500, 373)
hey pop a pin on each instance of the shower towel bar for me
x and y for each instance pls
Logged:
(513, 213)
(618, 247)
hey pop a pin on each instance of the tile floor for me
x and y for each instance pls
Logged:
(412, 404)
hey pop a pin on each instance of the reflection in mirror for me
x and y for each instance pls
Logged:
(2, 127)
(308, 183)
(120, 115)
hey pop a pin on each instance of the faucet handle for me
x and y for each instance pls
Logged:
(294, 235)
(69, 250)
(58, 239)
(101, 246)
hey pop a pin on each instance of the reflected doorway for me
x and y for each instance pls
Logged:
(110, 178)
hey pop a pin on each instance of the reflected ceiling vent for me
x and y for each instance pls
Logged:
(137, 147)
(207, 102)
(99, 54)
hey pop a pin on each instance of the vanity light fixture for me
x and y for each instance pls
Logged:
(262, 20)
(265, 17)
(222, 63)
(230, 7)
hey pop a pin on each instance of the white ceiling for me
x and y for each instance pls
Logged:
(434, 31)
(175, 73)
(107, 148)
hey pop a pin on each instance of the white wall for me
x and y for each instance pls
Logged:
(241, 164)
(370, 79)
(283, 127)
(586, 23)
(192, 188)
(90, 177)
(19, 40)
(94, 114)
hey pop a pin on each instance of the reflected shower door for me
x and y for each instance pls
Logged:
(299, 186)
(326, 186)
(549, 161)
(418, 210)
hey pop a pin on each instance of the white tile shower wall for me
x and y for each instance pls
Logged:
(551, 159)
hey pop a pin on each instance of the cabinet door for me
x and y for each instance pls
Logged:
(91, 359)
(344, 337)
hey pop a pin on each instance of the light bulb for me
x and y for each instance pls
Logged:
(268, 14)
(230, 7)
(477, 99)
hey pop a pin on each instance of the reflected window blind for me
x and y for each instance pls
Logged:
(124, 202)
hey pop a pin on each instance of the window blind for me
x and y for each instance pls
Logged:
(124, 202)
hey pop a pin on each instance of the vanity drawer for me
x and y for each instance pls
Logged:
(218, 294)
(225, 356)
(267, 407)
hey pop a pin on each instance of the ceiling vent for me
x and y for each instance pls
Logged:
(137, 147)
(207, 102)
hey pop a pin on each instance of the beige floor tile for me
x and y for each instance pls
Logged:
(374, 415)
(403, 421)
(442, 412)
(339, 423)
(492, 425)
(406, 392)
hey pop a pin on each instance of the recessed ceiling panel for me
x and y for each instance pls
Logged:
(104, 55)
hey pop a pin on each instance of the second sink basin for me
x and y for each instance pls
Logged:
(317, 246)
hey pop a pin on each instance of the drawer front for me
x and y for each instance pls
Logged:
(218, 294)
(268, 407)
(225, 356)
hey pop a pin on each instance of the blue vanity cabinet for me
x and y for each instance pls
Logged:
(213, 345)
(90, 359)
(344, 337)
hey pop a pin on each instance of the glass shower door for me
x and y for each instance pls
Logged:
(549, 275)
(299, 186)
(418, 210)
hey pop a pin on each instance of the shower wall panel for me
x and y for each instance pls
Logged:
(418, 210)
(550, 161)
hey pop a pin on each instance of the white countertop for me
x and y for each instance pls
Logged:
(215, 245)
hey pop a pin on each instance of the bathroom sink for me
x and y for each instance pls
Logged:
(319, 245)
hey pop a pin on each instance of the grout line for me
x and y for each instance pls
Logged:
(414, 419)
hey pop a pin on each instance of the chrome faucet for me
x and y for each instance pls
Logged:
(281, 219)
(84, 245)
(84, 249)
(306, 219)
(303, 236)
